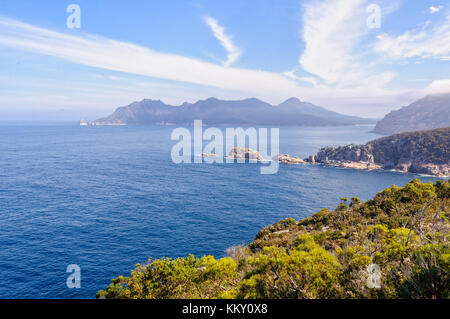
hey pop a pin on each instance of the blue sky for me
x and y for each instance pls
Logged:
(320, 51)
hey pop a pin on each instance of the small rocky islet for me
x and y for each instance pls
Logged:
(288, 159)
(245, 153)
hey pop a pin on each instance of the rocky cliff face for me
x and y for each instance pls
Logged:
(351, 156)
(423, 152)
(350, 153)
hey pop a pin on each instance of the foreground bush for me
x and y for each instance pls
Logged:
(178, 278)
(403, 232)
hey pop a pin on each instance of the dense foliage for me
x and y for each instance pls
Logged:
(432, 146)
(401, 237)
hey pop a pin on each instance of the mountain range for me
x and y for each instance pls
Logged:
(214, 111)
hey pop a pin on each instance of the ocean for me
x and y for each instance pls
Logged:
(107, 198)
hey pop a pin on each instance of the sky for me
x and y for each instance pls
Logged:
(359, 57)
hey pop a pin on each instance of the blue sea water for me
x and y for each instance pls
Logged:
(106, 198)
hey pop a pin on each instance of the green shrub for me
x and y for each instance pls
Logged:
(403, 230)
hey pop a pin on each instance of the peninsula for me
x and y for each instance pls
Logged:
(422, 152)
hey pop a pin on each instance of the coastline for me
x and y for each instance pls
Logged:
(380, 170)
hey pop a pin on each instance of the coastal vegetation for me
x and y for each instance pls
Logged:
(395, 245)
(423, 152)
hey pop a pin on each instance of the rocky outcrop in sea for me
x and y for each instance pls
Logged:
(287, 159)
(209, 155)
(245, 153)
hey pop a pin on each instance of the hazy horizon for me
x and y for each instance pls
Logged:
(353, 57)
(62, 115)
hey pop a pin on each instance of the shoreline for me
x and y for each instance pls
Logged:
(380, 170)
(357, 166)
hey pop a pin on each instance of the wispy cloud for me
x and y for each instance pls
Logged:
(333, 32)
(423, 43)
(328, 40)
(435, 9)
(307, 79)
(219, 32)
(126, 57)
(337, 78)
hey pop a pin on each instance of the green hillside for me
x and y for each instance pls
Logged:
(393, 246)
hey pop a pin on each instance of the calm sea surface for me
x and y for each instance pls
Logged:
(106, 198)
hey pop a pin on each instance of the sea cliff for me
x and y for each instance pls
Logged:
(421, 152)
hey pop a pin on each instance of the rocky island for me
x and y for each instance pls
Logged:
(422, 152)
(213, 111)
(287, 159)
(209, 155)
(245, 153)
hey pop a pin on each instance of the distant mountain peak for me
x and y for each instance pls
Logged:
(292, 100)
(429, 112)
(251, 111)
(153, 101)
(211, 99)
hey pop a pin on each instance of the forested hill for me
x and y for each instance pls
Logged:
(393, 246)
(427, 147)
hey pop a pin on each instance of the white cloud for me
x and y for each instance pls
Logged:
(435, 9)
(219, 32)
(438, 86)
(126, 57)
(363, 94)
(333, 33)
(308, 79)
(331, 30)
(424, 43)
